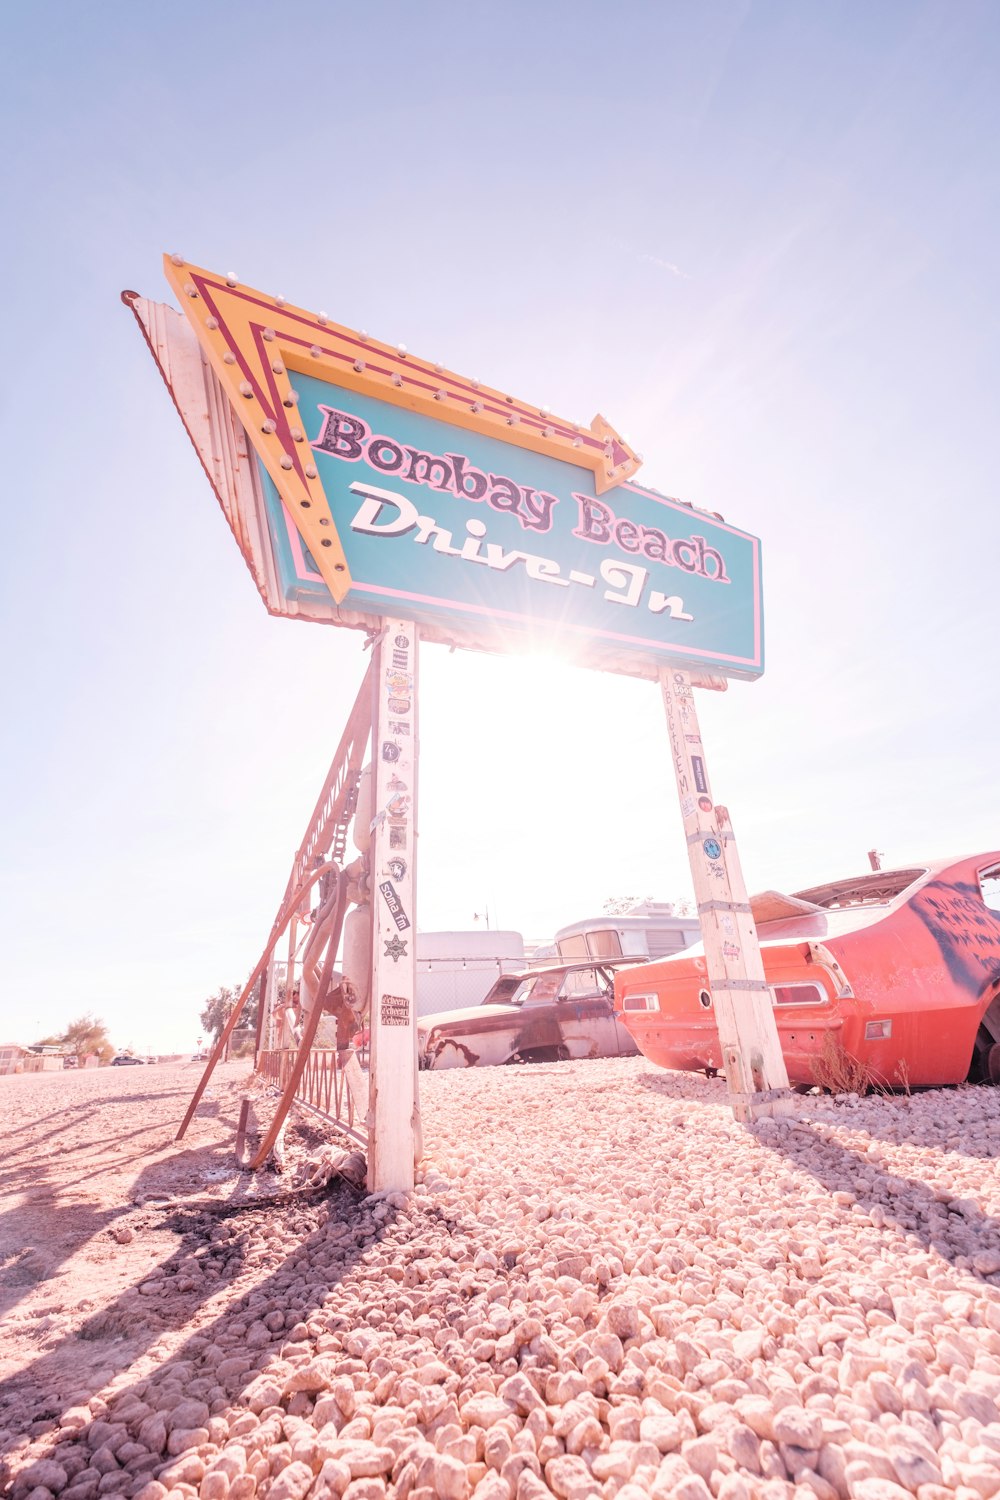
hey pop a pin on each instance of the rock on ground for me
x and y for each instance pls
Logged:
(601, 1286)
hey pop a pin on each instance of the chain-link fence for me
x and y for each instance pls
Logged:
(444, 982)
(447, 983)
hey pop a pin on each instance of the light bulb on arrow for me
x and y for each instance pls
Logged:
(256, 343)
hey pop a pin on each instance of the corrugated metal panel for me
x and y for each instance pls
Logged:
(663, 940)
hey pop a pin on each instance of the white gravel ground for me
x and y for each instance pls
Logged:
(602, 1286)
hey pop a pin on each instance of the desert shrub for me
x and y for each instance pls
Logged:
(840, 1072)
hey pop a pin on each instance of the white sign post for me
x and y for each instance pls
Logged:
(393, 1120)
(739, 993)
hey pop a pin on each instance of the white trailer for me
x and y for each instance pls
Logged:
(649, 930)
(456, 969)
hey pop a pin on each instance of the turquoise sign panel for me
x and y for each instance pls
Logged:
(441, 524)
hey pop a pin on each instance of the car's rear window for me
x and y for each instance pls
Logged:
(503, 991)
(876, 889)
(989, 887)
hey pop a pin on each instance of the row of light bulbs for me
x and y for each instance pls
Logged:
(232, 280)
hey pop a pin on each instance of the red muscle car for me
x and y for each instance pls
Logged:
(898, 968)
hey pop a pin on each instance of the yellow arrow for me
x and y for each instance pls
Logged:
(256, 342)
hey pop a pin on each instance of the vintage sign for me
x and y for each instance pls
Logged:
(371, 489)
(391, 486)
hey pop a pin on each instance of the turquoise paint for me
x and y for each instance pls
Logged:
(398, 574)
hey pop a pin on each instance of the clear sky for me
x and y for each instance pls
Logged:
(760, 237)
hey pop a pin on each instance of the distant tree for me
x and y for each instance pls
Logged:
(218, 1007)
(85, 1035)
(216, 1010)
(620, 906)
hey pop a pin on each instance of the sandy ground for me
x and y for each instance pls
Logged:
(601, 1286)
(91, 1180)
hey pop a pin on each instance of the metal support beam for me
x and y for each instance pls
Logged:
(333, 811)
(308, 1035)
(743, 1002)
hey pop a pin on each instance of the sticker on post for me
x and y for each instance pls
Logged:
(730, 950)
(402, 641)
(712, 848)
(395, 949)
(397, 807)
(396, 868)
(390, 751)
(392, 901)
(399, 705)
(698, 767)
(397, 836)
(395, 1010)
(397, 728)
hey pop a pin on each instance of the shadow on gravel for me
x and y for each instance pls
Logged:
(953, 1226)
(693, 1087)
(903, 1119)
(956, 1228)
(225, 1354)
(897, 1119)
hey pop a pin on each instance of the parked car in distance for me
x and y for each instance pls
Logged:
(71, 1060)
(552, 1012)
(899, 969)
(123, 1060)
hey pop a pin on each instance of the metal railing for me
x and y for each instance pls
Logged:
(333, 1086)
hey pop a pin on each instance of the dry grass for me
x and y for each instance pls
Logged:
(839, 1072)
(903, 1075)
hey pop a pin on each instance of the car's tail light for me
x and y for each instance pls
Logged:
(876, 1031)
(639, 1002)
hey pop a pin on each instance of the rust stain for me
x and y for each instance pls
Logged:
(438, 1050)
